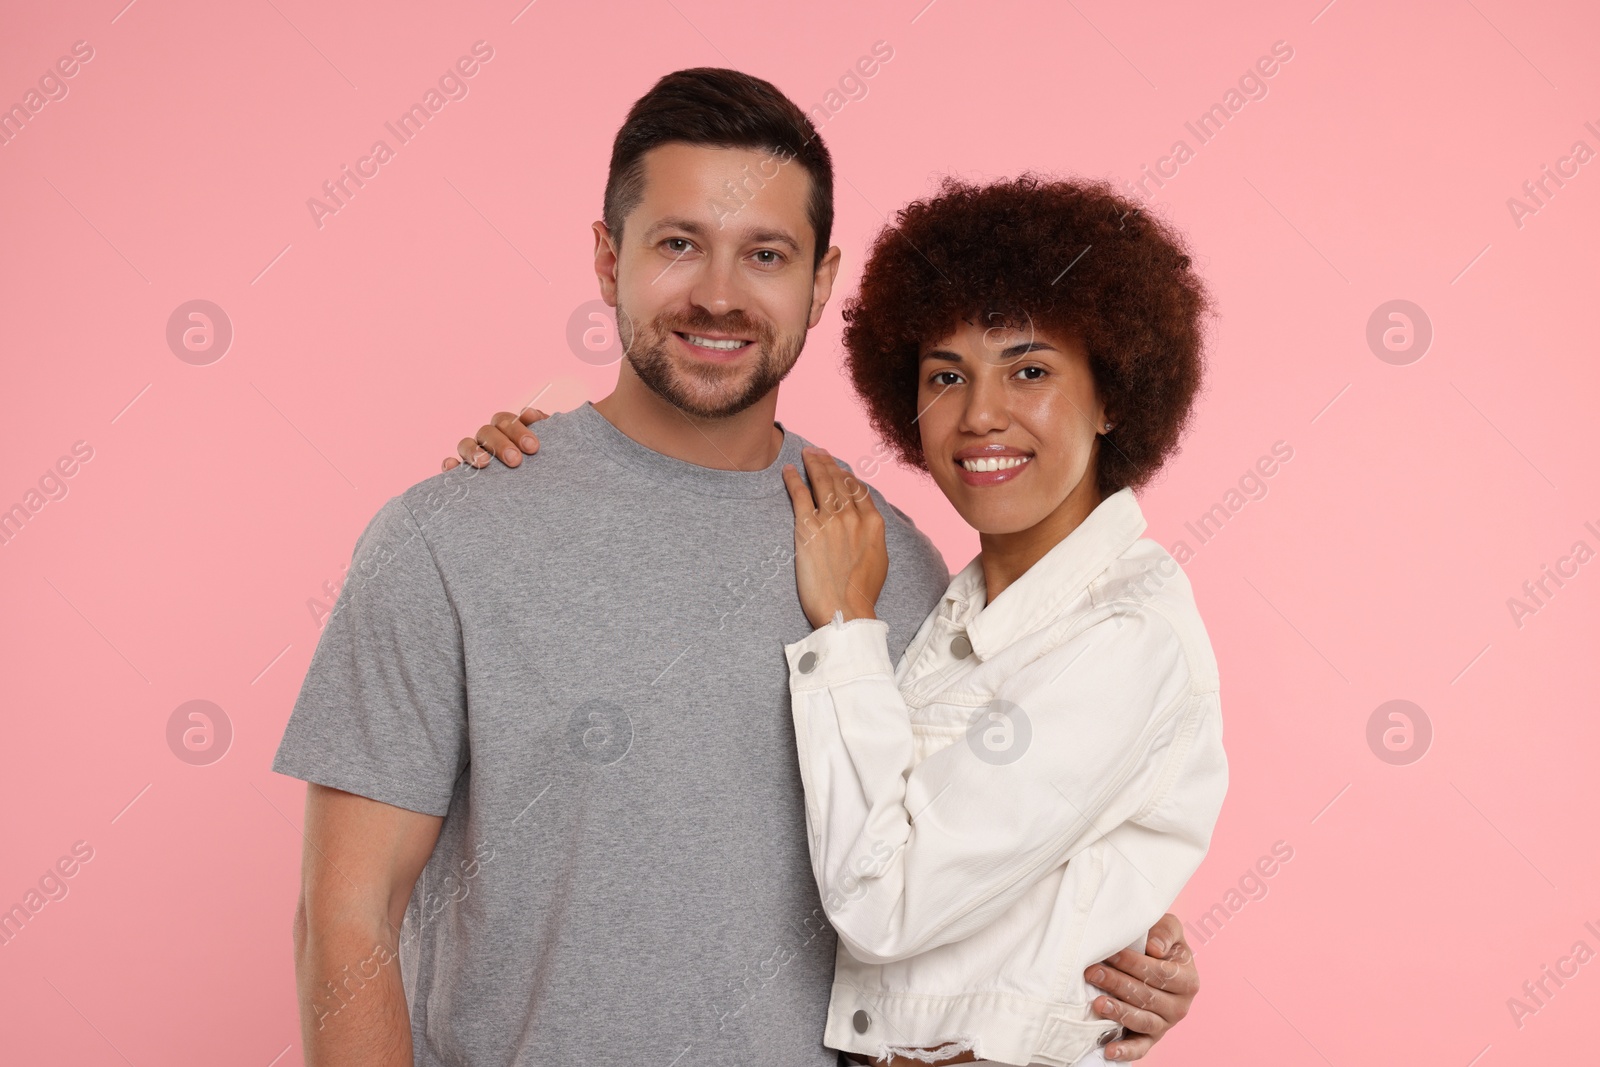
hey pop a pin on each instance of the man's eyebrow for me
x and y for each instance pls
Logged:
(675, 222)
(698, 229)
(779, 237)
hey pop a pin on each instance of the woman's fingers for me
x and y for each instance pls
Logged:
(515, 428)
(799, 494)
(1175, 974)
(1140, 1021)
(1134, 992)
(817, 474)
(505, 436)
(467, 448)
(1167, 933)
(827, 481)
(494, 441)
(1129, 1049)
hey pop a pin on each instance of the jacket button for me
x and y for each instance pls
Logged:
(960, 646)
(861, 1021)
(808, 663)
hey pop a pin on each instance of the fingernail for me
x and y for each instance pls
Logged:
(1159, 946)
(1097, 975)
(510, 454)
(528, 442)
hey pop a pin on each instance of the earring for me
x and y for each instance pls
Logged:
(1107, 429)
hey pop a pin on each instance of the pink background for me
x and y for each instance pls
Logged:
(220, 498)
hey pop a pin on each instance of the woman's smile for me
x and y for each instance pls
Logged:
(991, 464)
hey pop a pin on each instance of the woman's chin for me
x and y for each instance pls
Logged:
(998, 522)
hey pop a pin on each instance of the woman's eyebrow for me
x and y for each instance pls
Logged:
(1007, 354)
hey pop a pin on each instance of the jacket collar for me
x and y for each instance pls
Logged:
(1039, 594)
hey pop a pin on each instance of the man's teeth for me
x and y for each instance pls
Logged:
(998, 463)
(707, 342)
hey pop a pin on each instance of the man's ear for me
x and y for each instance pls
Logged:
(605, 263)
(822, 284)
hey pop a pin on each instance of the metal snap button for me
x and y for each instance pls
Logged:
(861, 1020)
(960, 646)
(808, 663)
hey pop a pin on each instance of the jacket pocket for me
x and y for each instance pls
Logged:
(1065, 1039)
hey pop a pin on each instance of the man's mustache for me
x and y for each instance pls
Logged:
(737, 323)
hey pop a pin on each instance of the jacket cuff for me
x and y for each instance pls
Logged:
(838, 653)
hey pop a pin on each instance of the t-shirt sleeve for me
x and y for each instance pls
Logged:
(382, 711)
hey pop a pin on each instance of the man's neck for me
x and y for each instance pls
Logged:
(748, 441)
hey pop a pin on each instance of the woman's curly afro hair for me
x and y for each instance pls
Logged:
(1071, 257)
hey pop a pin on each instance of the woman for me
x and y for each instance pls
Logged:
(1031, 786)
(1037, 779)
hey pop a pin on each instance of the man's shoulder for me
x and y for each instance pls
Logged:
(463, 511)
(462, 493)
(908, 545)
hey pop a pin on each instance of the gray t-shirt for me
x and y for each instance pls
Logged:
(579, 663)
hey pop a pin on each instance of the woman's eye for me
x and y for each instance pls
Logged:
(1033, 373)
(946, 378)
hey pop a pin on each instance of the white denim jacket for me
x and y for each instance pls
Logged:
(1022, 797)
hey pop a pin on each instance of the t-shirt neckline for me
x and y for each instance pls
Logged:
(685, 475)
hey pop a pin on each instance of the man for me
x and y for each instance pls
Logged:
(555, 815)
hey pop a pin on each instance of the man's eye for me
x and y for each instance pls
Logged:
(678, 244)
(776, 258)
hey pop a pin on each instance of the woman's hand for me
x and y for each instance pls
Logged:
(1151, 992)
(501, 437)
(840, 557)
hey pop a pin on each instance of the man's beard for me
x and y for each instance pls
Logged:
(723, 393)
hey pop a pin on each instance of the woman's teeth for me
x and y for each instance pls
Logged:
(999, 463)
(707, 342)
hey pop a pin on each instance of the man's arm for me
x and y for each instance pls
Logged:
(360, 862)
(1151, 992)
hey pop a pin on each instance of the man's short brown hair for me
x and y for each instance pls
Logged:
(717, 108)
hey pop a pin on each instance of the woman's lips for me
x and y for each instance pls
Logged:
(1018, 464)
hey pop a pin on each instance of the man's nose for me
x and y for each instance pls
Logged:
(717, 288)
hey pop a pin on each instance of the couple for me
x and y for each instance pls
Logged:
(558, 770)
